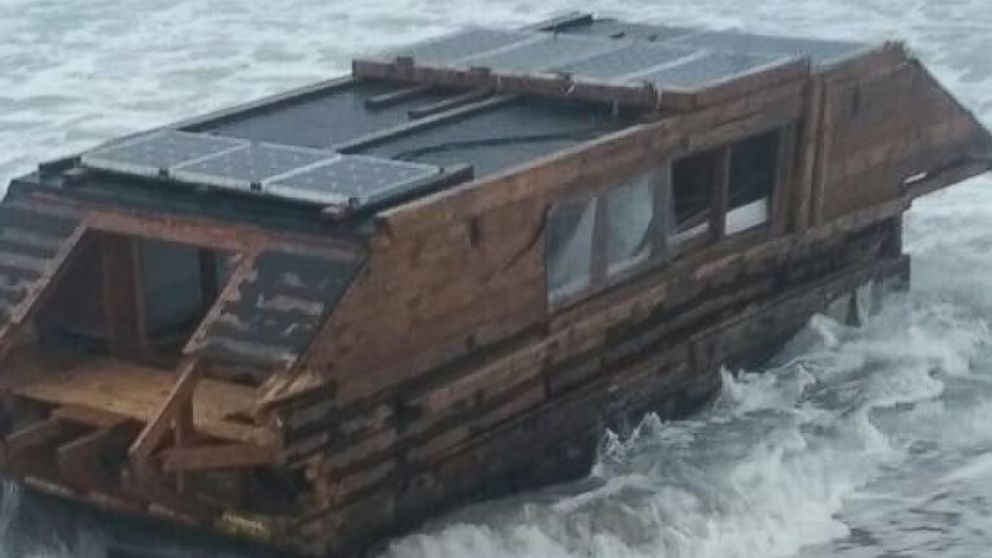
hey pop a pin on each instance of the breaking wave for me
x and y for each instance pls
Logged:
(769, 468)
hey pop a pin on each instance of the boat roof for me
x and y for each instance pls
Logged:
(394, 130)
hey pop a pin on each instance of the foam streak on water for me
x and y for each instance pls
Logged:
(865, 442)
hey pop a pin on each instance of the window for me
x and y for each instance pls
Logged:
(596, 238)
(629, 215)
(601, 238)
(693, 184)
(570, 247)
(172, 284)
(753, 169)
(144, 297)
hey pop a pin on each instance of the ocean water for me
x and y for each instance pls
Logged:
(864, 442)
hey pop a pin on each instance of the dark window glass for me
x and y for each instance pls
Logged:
(753, 168)
(692, 193)
(172, 282)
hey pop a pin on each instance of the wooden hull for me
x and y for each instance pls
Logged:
(669, 363)
(338, 376)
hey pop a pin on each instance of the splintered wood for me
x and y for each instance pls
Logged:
(137, 392)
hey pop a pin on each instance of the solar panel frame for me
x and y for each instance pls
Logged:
(724, 66)
(161, 145)
(544, 55)
(819, 50)
(632, 59)
(301, 186)
(206, 172)
(453, 47)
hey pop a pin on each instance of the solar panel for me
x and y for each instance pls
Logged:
(621, 29)
(250, 165)
(155, 153)
(818, 50)
(353, 180)
(708, 69)
(634, 58)
(545, 54)
(453, 47)
(282, 171)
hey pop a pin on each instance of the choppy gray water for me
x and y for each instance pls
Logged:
(864, 442)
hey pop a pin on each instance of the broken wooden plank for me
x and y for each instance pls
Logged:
(243, 271)
(153, 434)
(547, 85)
(38, 288)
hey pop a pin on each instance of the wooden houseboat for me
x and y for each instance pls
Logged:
(317, 319)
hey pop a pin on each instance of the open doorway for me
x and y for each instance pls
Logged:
(132, 298)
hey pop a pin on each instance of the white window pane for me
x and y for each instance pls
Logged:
(629, 210)
(570, 247)
(753, 168)
(747, 216)
(678, 238)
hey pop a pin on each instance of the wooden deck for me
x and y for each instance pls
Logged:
(133, 391)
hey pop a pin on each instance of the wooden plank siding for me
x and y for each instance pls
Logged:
(884, 126)
(465, 268)
(669, 364)
(444, 354)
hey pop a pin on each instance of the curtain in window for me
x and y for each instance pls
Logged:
(629, 211)
(570, 247)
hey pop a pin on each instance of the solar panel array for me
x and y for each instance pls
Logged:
(154, 154)
(282, 171)
(366, 180)
(451, 48)
(666, 57)
(547, 51)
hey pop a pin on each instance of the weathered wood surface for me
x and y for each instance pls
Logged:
(443, 357)
(165, 417)
(444, 397)
(464, 269)
(884, 125)
(220, 456)
(581, 88)
(123, 297)
(109, 386)
(37, 244)
(191, 230)
(668, 375)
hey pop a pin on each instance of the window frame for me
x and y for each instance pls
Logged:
(599, 276)
(662, 231)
